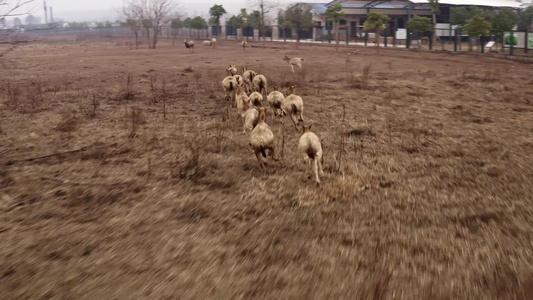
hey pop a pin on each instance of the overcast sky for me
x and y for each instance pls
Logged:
(102, 10)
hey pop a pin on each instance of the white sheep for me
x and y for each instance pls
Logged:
(248, 76)
(260, 83)
(230, 85)
(262, 139)
(207, 43)
(295, 61)
(189, 45)
(275, 98)
(213, 42)
(240, 99)
(232, 69)
(239, 79)
(244, 44)
(310, 149)
(250, 117)
(256, 98)
(293, 105)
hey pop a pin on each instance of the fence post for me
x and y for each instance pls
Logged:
(408, 41)
(329, 35)
(511, 42)
(385, 38)
(455, 41)
(430, 41)
(481, 40)
(366, 38)
(526, 42)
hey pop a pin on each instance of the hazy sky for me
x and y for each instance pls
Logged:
(101, 10)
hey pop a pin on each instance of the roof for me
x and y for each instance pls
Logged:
(402, 4)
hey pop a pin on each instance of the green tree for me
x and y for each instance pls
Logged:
(525, 19)
(300, 19)
(476, 27)
(216, 11)
(461, 15)
(503, 21)
(197, 23)
(435, 10)
(335, 15)
(239, 21)
(420, 25)
(376, 21)
(286, 25)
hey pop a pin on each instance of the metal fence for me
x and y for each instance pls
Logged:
(452, 39)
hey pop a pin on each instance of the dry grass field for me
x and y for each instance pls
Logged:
(124, 174)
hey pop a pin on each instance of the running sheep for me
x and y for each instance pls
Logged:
(230, 85)
(260, 83)
(262, 139)
(189, 45)
(250, 117)
(310, 149)
(248, 76)
(295, 61)
(293, 105)
(275, 98)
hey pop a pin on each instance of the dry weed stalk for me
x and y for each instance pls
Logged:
(365, 76)
(135, 117)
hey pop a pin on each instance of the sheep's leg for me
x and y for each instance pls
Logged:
(307, 163)
(320, 166)
(293, 118)
(315, 169)
(292, 68)
(259, 158)
(301, 116)
(273, 152)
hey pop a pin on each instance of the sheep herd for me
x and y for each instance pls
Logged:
(247, 91)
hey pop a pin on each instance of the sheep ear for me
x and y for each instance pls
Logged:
(310, 125)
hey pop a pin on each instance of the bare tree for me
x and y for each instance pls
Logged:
(12, 8)
(149, 14)
(160, 11)
(265, 7)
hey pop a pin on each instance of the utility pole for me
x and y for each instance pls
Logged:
(45, 13)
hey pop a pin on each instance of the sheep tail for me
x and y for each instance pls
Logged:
(294, 108)
(263, 151)
(231, 85)
(261, 85)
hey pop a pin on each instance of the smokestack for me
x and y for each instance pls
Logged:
(45, 13)
(51, 15)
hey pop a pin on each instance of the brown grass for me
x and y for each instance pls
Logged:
(427, 192)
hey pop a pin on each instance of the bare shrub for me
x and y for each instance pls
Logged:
(190, 166)
(128, 93)
(133, 118)
(365, 76)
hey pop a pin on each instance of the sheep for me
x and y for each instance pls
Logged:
(293, 105)
(207, 43)
(189, 45)
(248, 76)
(230, 85)
(260, 83)
(213, 42)
(262, 139)
(232, 69)
(295, 61)
(239, 79)
(275, 98)
(310, 149)
(244, 44)
(240, 99)
(250, 117)
(256, 98)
